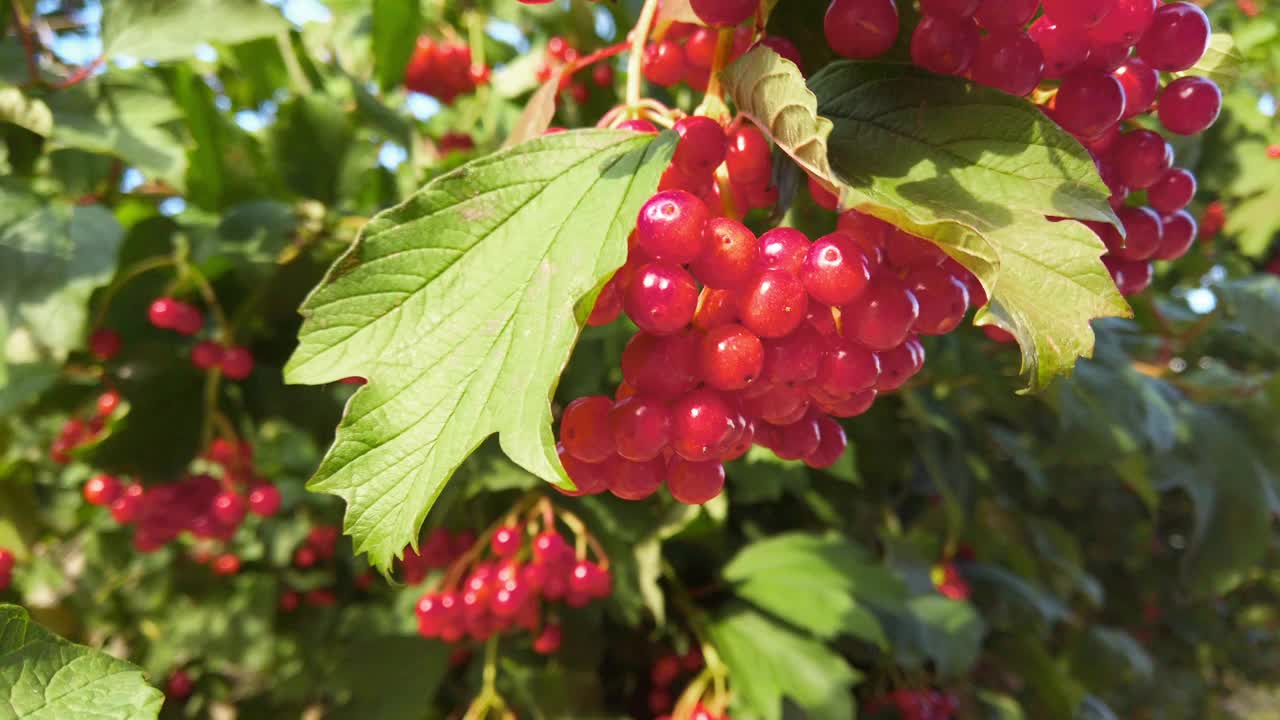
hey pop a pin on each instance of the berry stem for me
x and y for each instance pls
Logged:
(567, 73)
(80, 74)
(28, 44)
(639, 35)
(583, 535)
(489, 698)
(713, 101)
(297, 78)
(460, 565)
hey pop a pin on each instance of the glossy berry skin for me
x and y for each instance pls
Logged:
(904, 250)
(1143, 231)
(264, 500)
(661, 298)
(670, 226)
(608, 305)
(847, 368)
(835, 270)
(584, 429)
(237, 362)
(729, 253)
(229, 508)
(996, 15)
(206, 355)
(703, 424)
(548, 641)
(179, 685)
(694, 483)
(1189, 105)
(1172, 192)
(861, 28)
(187, 320)
(641, 427)
(943, 45)
(831, 445)
(785, 48)
(700, 49)
(1131, 276)
(107, 403)
(795, 440)
(943, 300)
(1064, 48)
(951, 9)
(636, 480)
(101, 490)
(163, 313)
(104, 343)
(731, 357)
(663, 366)
(702, 145)
(1177, 37)
(1141, 157)
(748, 157)
(773, 304)
(782, 248)
(663, 63)
(226, 564)
(636, 125)
(1141, 82)
(1078, 13)
(588, 478)
(883, 316)
(1088, 103)
(724, 13)
(1126, 23)
(1178, 233)
(1010, 61)
(715, 308)
(899, 365)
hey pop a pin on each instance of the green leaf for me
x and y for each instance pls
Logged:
(44, 677)
(1221, 61)
(395, 32)
(461, 307)
(389, 678)
(310, 141)
(171, 29)
(972, 169)
(1109, 658)
(951, 632)
(823, 584)
(52, 257)
(25, 112)
(768, 663)
(1253, 304)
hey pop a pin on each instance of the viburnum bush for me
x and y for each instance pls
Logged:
(652, 359)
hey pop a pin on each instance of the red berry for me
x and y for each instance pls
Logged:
(943, 45)
(782, 248)
(793, 359)
(104, 343)
(7, 561)
(1126, 23)
(264, 500)
(904, 250)
(943, 298)
(1064, 48)
(126, 508)
(108, 402)
(899, 365)
(694, 483)
(1178, 232)
(640, 427)
(1141, 82)
(661, 298)
(548, 641)
(773, 304)
(608, 304)
(1142, 230)
(1173, 191)
(1006, 14)
(1140, 158)
(636, 125)
(226, 564)
(823, 197)
(796, 440)
(728, 257)
(731, 357)
(847, 368)
(785, 48)
(1177, 37)
(206, 355)
(1078, 13)
(831, 447)
(861, 28)
(702, 145)
(662, 366)
(1010, 61)
(584, 429)
(163, 312)
(883, 316)
(703, 424)
(179, 685)
(237, 362)
(187, 320)
(636, 480)
(305, 557)
(588, 478)
(748, 158)
(229, 508)
(1189, 105)
(954, 9)
(664, 63)
(1131, 276)
(670, 226)
(102, 490)
(835, 270)
(724, 13)
(1088, 103)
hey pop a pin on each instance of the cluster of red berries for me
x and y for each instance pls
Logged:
(509, 589)
(166, 313)
(1109, 56)
(7, 562)
(685, 53)
(438, 552)
(320, 545)
(700, 712)
(208, 508)
(948, 580)
(560, 55)
(784, 335)
(76, 431)
(914, 705)
(668, 672)
(443, 70)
